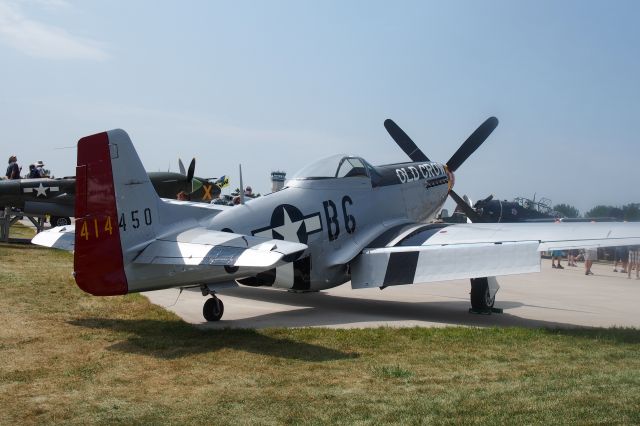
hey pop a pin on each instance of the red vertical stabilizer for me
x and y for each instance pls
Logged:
(98, 264)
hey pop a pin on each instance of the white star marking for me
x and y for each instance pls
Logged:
(41, 190)
(289, 230)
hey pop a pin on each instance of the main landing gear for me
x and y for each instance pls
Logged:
(483, 295)
(213, 308)
(60, 221)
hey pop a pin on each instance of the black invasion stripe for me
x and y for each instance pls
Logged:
(401, 268)
(302, 274)
(266, 278)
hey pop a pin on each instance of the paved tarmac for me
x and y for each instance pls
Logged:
(553, 298)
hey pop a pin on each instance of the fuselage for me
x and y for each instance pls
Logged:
(496, 211)
(39, 196)
(57, 196)
(336, 217)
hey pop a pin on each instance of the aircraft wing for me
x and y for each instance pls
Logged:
(197, 246)
(437, 252)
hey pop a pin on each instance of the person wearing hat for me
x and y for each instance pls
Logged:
(40, 168)
(13, 170)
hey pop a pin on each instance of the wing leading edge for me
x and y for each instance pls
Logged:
(429, 253)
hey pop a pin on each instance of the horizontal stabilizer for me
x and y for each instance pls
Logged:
(60, 237)
(205, 248)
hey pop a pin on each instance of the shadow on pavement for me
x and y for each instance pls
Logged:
(322, 309)
(174, 339)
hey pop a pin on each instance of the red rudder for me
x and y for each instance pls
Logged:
(98, 262)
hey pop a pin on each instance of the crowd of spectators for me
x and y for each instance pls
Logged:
(36, 170)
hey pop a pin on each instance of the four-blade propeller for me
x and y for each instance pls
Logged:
(469, 146)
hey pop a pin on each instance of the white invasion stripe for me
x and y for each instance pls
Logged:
(476, 260)
(192, 254)
(284, 276)
(266, 246)
(313, 223)
(258, 258)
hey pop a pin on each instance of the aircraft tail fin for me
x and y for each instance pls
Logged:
(127, 239)
(116, 211)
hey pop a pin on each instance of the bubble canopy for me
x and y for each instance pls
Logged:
(335, 166)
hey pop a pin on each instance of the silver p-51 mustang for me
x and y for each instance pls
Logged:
(339, 219)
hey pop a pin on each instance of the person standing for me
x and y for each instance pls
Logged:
(556, 255)
(33, 172)
(572, 256)
(621, 256)
(40, 168)
(590, 255)
(634, 261)
(13, 170)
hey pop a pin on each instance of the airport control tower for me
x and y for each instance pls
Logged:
(277, 180)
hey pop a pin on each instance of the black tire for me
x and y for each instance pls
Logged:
(59, 221)
(213, 309)
(481, 299)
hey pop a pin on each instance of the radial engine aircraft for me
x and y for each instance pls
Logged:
(56, 197)
(339, 219)
(491, 210)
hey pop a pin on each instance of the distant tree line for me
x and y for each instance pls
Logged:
(629, 212)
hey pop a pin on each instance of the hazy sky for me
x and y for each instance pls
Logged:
(277, 84)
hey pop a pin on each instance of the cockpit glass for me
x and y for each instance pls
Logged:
(335, 166)
(351, 166)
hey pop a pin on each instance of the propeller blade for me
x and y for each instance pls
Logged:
(181, 167)
(404, 141)
(192, 169)
(241, 190)
(466, 208)
(472, 143)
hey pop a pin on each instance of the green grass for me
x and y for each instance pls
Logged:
(18, 230)
(68, 357)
